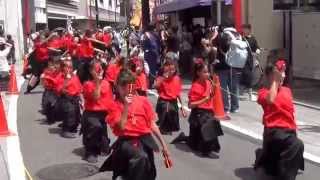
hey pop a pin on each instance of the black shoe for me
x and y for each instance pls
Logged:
(91, 159)
(181, 138)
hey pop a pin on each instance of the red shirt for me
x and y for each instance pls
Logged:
(141, 116)
(280, 114)
(41, 52)
(141, 82)
(67, 42)
(49, 80)
(169, 89)
(72, 88)
(103, 103)
(112, 72)
(85, 50)
(56, 43)
(199, 91)
(107, 39)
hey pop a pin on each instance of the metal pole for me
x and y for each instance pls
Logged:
(97, 13)
(115, 12)
(219, 12)
(290, 49)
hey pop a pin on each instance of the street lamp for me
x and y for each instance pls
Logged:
(97, 13)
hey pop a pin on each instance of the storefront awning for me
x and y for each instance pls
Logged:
(177, 5)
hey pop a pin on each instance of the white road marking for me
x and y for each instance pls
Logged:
(14, 155)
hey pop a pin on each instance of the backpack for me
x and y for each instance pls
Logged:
(237, 54)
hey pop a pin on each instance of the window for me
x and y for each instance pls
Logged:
(285, 4)
(296, 4)
(110, 3)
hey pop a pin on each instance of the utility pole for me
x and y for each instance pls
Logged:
(97, 13)
(219, 12)
(145, 13)
(115, 12)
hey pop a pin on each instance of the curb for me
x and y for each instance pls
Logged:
(307, 156)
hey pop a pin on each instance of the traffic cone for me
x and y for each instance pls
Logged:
(25, 65)
(4, 131)
(218, 106)
(12, 86)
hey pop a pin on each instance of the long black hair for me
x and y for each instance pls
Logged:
(197, 67)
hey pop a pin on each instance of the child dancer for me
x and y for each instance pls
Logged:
(98, 96)
(168, 84)
(204, 128)
(132, 119)
(69, 90)
(282, 153)
(49, 97)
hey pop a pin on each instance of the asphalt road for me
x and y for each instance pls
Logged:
(47, 156)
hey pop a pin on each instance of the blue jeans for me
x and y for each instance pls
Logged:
(229, 80)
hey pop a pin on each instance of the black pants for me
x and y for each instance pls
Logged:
(132, 158)
(168, 115)
(282, 153)
(204, 131)
(69, 110)
(49, 100)
(95, 135)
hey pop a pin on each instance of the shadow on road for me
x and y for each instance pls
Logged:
(35, 92)
(248, 173)
(184, 147)
(68, 171)
(79, 151)
(54, 130)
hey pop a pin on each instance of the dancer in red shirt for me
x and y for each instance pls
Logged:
(114, 69)
(69, 90)
(85, 54)
(132, 119)
(98, 97)
(204, 128)
(137, 68)
(49, 97)
(168, 85)
(282, 153)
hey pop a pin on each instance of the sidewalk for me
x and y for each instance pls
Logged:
(9, 157)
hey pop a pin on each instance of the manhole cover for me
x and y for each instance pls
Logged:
(70, 171)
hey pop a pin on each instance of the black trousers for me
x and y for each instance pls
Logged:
(204, 131)
(49, 100)
(168, 115)
(281, 154)
(95, 132)
(132, 158)
(69, 112)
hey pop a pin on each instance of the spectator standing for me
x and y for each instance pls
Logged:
(186, 41)
(253, 51)
(4, 51)
(151, 48)
(11, 56)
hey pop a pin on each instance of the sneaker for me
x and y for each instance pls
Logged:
(91, 159)
(68, 135)
(235, 111)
